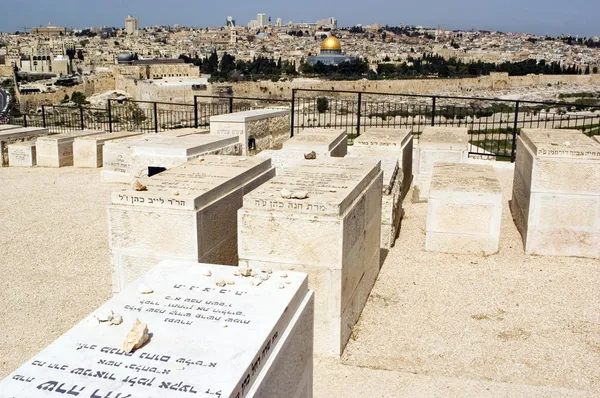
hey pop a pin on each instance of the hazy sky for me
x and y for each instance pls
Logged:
(577, 17)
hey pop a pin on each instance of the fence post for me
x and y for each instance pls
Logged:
(293, 110)
(155, 117)
(110, 129)
(195, 111)
(43, 116)
(231, 104)
(81, 117)
(358, 112)
(514, 140)
(24, 120)
(433, 112)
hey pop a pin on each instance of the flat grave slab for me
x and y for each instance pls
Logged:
(4, 127)
(14, 135)
(87, 151)
(57, 150)
(267, 128)
(333, 235)
(556, 186)
(239, 340)
(127, 159)
(438, 144)
(22, 154)
(187, 213)
(325, 142)
(464, 209)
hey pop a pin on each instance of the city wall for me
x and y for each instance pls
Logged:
(90, 86)
(467, 86)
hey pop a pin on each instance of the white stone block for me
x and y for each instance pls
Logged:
(16, 134)
(267, 127)
(333, 235)
(21, 154)
(130, 158)
(57, 150)
(4, 127)
(187, 213)
(556, 193)
(87, 151)
(237, 340)
(438, 144)
(324, 142)
(464, 209)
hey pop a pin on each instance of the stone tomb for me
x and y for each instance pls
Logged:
(267, 128)
(57, 150)
(130, 158)
(187, 213)
(394, 147)
(556, 193)
(437, 144)
(87, 151)
(239, 340)
(16, 134)
(464, 209)
(4, 127)
(21, 154)
(333, 235)
(325, 143)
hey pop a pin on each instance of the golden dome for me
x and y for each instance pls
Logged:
(331, 44)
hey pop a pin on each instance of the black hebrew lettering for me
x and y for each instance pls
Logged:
(98, 394)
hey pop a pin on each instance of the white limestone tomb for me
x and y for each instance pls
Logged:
(266, 128)
(323, 218)
(57, 150)
(130, 158)
(241, 339)
(464, 209)
(556, 193)
(437, 144)
(186, 213)
(87, 151)
(10, 134)
(22, 154)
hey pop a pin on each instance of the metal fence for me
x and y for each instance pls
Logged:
(493, 124)
(141, 116)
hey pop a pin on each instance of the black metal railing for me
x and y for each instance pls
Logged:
(493, 124)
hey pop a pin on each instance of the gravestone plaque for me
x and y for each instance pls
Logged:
(187, 213)
(21, 154)
(87, 151)
(556, 186)
(206, 339)
(323, 218)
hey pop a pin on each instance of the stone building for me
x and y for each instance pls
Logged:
(331, 53)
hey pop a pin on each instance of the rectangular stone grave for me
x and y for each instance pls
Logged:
(185, 131)
(187, 213)
(464, 209)
(87, 151)
(16, 135)
(333, 235)
(130, 158)
(57, 150)
(325, 143)
(244, 339)
(437, 144)
(4, 127)
(21, 154)
(556, 193)
(268, 128)
(394, 147)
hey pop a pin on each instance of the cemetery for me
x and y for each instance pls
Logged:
(243, 262)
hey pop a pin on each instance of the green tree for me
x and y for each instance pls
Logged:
(79, 98)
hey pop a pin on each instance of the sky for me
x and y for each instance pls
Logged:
(551, 17)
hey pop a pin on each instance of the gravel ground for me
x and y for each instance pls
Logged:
(54, 259)
(435, 325)
(503, 318)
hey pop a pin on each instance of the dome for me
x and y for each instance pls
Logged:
(331, 44)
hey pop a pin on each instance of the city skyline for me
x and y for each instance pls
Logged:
(538, 17)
